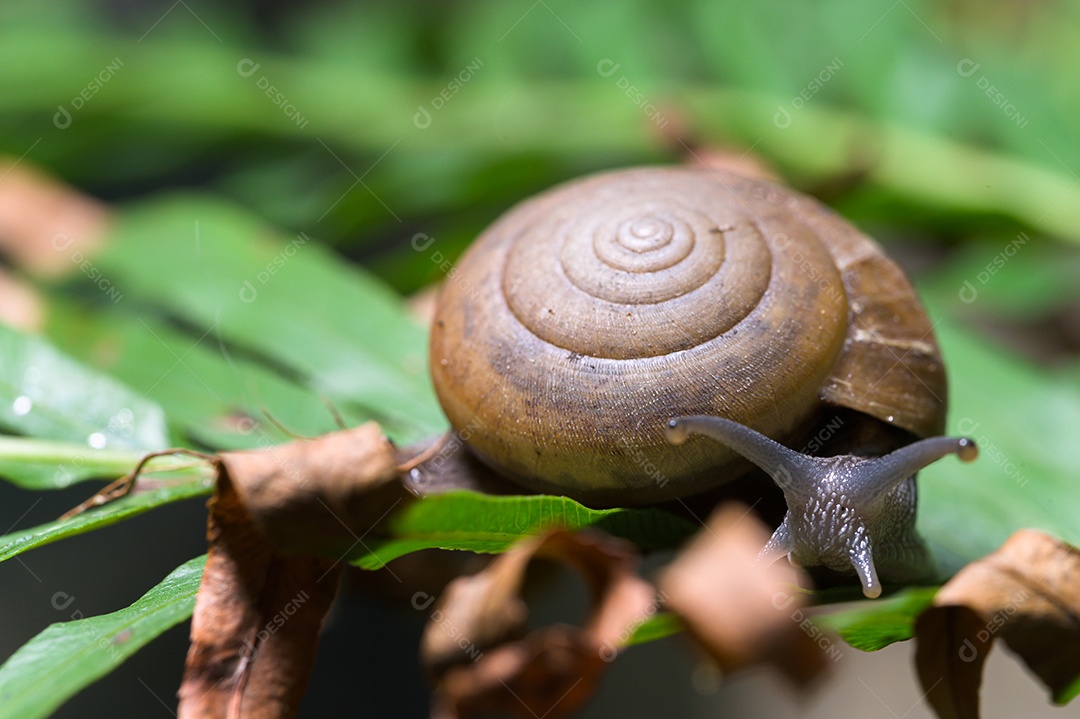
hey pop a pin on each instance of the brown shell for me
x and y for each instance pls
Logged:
(586, 317)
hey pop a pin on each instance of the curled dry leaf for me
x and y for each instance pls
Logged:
(740, 611)
(264, 593)
(474, 645)
(1027, 593)
(256, 622)
(323, 495)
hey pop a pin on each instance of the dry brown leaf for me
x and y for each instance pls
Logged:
(46, 227)
(742, 612)
(472, 646)
(1027, 593)
(263, 595)
(320, 496)
(256, 622)
(951, 686)
(550, 673)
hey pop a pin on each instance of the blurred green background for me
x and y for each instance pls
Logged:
(221, 136)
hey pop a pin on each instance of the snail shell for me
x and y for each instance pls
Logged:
(586, 317)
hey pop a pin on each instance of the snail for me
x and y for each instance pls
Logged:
(593, 332)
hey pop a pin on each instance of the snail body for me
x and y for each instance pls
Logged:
(585, 319)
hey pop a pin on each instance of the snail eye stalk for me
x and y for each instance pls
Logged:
(866, 485)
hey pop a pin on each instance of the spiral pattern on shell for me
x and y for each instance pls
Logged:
(586, 317)
(630, 270)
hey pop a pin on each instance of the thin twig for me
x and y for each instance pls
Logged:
(123, 487)
(338, 419)
(288, 432)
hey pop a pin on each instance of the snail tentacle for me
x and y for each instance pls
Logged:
(836, 505)
(792, 471)
(873, 478)
(862, 560)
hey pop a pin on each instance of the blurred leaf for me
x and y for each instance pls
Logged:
(44, 393)
(151, 494)
(43, 464)
(490, 524)
(870, 626)
(866, 626)
(658, 626)
(1011, 277)
(202, 111)
(1024, 594)
(66, 657)
(291, 304)
(218, 397)
(728, 600)
(517, 666)
(1024, 422)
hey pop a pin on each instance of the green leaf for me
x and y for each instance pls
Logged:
(216, 397)
(1068, 693)
(1024, 422)
(43, 464)
(870, 626)
(1014, 277)
(658, 626)
(67, 656)
(491, 524)
(288, 301)
(866, 626)
(150, 494)
(44, 393)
